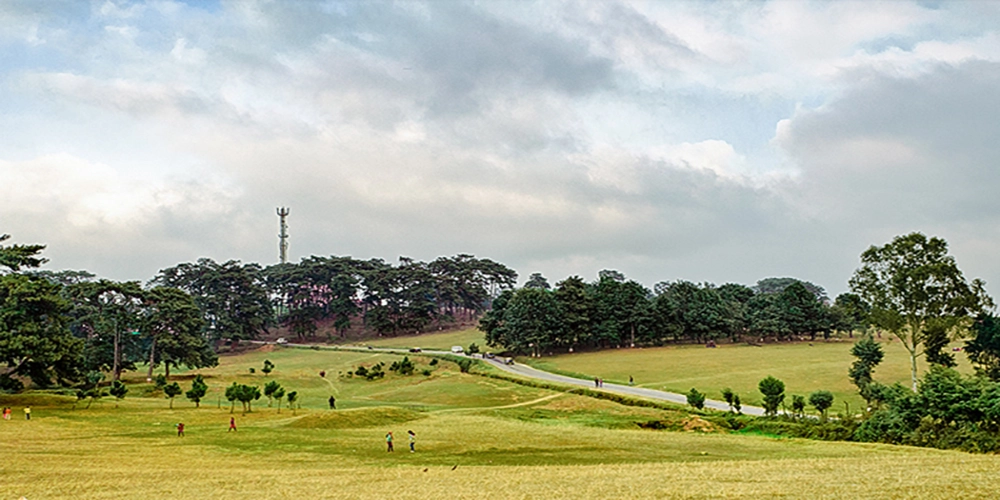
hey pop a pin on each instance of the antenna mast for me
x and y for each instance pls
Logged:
(283, 236)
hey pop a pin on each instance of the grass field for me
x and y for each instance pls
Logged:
(477, 438)
(803, 367)
(441, 341)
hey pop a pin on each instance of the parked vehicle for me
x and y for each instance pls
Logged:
(414, 349)
(281, 341)
(457, 349)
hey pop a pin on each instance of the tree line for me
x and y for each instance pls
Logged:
(67, 327)
(616, 312)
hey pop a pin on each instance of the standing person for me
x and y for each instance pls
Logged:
(413, 441)
(597, 382)
(232, 424)
(180, 429)
(388, 441)
(333, 403)
(6, 413)
(27, 413)
(630, 381)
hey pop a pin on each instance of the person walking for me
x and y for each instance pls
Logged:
(232, 424)
(388, 441)
(27, 413)
(180, 429)
(333, 403)
(413, 441)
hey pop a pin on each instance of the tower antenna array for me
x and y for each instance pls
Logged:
(283, 236)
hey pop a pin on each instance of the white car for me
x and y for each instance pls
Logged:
(457, 349)
(281, 341)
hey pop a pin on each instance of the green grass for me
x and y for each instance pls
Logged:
(436, 341)
(803, 368)
(477, 438)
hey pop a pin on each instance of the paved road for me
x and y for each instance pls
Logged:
(527, 371)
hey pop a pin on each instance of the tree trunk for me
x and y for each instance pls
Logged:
(116, 369)
(152, 360)
(166, 366)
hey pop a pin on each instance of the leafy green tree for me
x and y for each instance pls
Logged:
(696, 399)
(575, 309)
(727, 396)
(15, 257)
(472, 349)
(798, 405)
(293, 397)
(983, 349)
(538, 281)
(822, 401)
(936, 341)
(92, 388)
(174, 327)
(269, 389)
(247, 394)
(778, 285)
(232, 395)
(912, 285)
(198, 390)
(774, 394)
(106, 313)
(851, 313)
(172, 390)
(869, 354)
(523, 321)
(802, 312)
(278, 395)
(736, 404)
(268, 367)
(35, 339)
(232, 296)
(118, 390)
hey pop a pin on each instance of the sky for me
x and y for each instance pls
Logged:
(705, 141)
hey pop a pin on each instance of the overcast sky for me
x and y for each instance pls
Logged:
(716, 141)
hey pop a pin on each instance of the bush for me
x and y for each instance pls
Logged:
(434, 362)
(10, 384)
(464, 365)
(426, 373)
(473, 348)
(160, 381)
(696, 399)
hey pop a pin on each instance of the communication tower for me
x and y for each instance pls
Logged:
(283, 236)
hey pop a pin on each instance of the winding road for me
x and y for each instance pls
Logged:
(529, 372)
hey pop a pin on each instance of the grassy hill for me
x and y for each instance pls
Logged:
(476, 437)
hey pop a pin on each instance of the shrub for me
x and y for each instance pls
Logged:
(696, 399)
(160, 381)
(426, 373)
(434, 362)
(798, 405)
(473, 348)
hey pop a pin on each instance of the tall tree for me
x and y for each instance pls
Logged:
(913, 285)
(15, 257)
(869, 354)
(174, 325)
(536, 280)
(778, 285)
(232, 296)
(575, 308)
(107, 314)
(35, 340)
